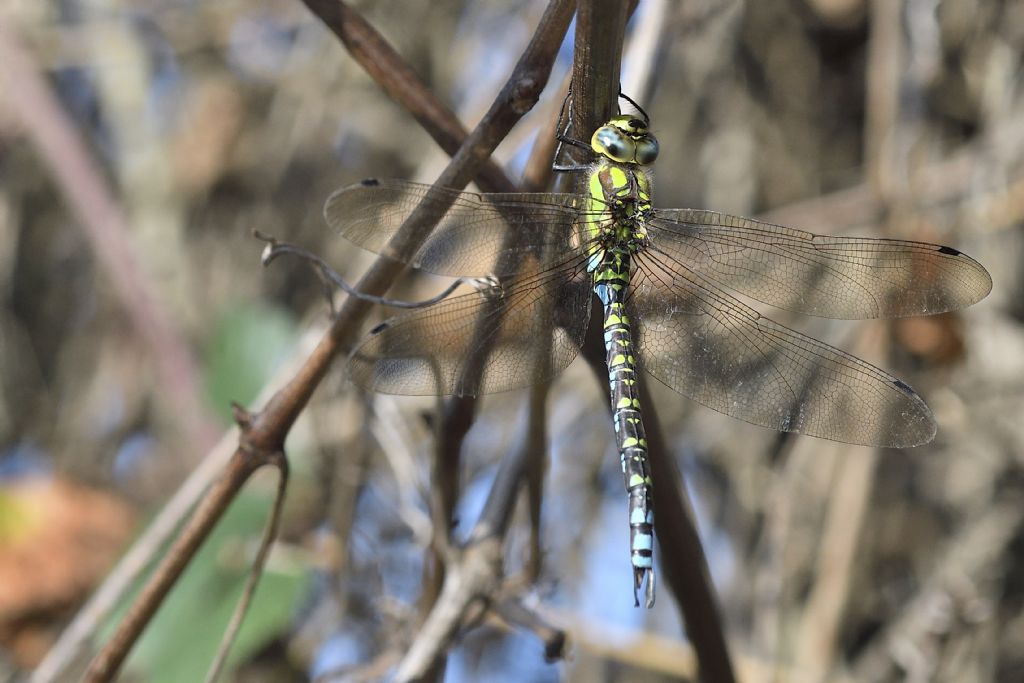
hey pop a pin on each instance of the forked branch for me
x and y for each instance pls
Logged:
(264, 432)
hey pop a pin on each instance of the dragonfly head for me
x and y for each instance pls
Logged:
(626, 140)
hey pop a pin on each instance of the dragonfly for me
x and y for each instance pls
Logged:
(664, 281)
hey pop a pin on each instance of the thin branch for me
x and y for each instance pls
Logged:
(243, 463)
(531, 71)
(518, 615)
(536, 462)
(391, 433)
(456, 418)
(258, 564)
(403, 85)
(472, 574)
(646, 47)
(682, 559)
(501, 501)
(263, 433)
(664, 657)
(275, 249)
(821, 619)
(660, 656)
(685, 566)
(538, 174)
(537, 177)
(600, 27)
(971, 556)
(882, 73)
(82, 183)
(87, 622)
(472, 577)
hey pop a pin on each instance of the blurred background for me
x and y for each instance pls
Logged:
(142, 143)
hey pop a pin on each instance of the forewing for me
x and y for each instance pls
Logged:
(706, 345)
(832, 277)
(504, 338)
(476, 234)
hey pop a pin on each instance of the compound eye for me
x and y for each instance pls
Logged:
(614, 144)
(646, 150)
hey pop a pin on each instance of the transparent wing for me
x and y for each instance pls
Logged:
(832, 277)
(706, 345)
(504, 338)
(477, 234)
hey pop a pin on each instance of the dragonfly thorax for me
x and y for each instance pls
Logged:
(620, 207)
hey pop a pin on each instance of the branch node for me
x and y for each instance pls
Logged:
(524, 95)
(514, 611)
(243, 418)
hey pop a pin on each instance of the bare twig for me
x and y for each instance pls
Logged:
(536, 448)
(884, 135)
(600, 25)
(403, 85)
(846, 507)
(391, 434)
(671, 658)
(456, 417)
(250, 456)
(472, 577)
(685, 566)
(646, 45)
(138, 558)
(263, 433)
(682, 560)
(458, 411)
(970, 557)
(883, 96)
(102, 219)
(517, 614)
(89, 618)
(536, 177)
(275, 248)
(539, 174)
(259, 562)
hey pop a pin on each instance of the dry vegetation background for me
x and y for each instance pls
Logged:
(121, 344)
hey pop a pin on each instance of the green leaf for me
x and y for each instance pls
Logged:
(245, 348)
(183, 638)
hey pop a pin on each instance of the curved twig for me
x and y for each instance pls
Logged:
(275, 248)
(255, 572)
(403, 85)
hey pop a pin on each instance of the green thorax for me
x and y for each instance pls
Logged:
(620, 201)
(619, 189)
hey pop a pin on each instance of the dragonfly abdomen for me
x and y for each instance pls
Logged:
(610, 284)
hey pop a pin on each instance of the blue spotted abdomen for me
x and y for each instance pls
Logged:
(611, 279)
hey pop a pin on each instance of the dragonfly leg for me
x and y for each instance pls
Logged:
(562, 135)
